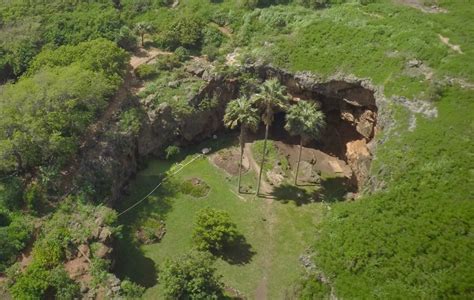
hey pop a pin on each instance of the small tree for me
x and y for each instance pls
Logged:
(214, 230)
(191, 276)
(240, 112)
(271, 96)
(304, 119)
(141, 29)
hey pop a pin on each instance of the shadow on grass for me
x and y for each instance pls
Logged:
(335, 189)
(240, 253)
(131, 263)
(290, 193)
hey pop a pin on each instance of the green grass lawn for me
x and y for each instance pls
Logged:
(277, 232)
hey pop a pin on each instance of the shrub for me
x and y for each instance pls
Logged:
(35, 197)
(37, 282)
(11, 193)
(130, 121)
(146, 71)
(131, 290)
(167, 62)
(194, 187)
(182, 54)
(186, 31)
(15, 231)
(172, 151)
(211, 51)
(214, 230)
(191, 276)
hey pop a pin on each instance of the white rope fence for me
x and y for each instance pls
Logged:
(180, 168)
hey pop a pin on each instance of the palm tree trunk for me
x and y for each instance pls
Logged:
(263, 158)
(299, 160)
(242, 129)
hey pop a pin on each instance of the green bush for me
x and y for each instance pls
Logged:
(191, 276)
(15, 232)
(167, 62)
(11, 193)
(35, 197)
(182, 54)
(37, 282)
(214, 231)
(172, 151)
(131, 290)
(146, 71)
(186, 31)
(131, 121)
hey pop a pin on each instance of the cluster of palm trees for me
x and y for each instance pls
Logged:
(303, 119)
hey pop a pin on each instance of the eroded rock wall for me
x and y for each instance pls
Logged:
(352, 107)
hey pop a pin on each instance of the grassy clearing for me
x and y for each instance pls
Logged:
(276, 232)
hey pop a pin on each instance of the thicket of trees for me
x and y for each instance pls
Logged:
(43, 115)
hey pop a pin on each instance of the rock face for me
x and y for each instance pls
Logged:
(349, 104)
(351, 107)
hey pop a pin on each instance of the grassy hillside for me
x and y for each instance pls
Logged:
(408, 237)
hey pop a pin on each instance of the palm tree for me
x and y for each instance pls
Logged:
(272, 96)
(141, 29)
(306, 120)
(240, 112)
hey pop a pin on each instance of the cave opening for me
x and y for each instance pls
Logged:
(344, 149)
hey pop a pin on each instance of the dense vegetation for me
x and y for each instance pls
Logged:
(61, 62)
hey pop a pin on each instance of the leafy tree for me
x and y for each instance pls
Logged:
(241, 113)
(191, 276)
(37, 281)
(86, 21)
(305, 120)
(214, 230)
(42, 117)
(271, 96)
(141, 29)
(11, 193)
(186, 31)
(99, 55)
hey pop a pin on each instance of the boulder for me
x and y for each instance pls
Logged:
(103, 251)
(84, 250)
(365, 124)
(359, 158)
(105, 235)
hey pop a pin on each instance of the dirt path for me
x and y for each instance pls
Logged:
(270, 219)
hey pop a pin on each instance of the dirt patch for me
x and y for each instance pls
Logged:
(321, 162)
(78, 269)
(228, 160)
(261, 291)
(145, 56)
(445, 40)
(419, 4)
(147, 236)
